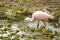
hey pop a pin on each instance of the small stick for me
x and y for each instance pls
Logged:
(44, 23)
(38, 24)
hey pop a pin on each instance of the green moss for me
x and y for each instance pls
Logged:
(9, 29)
(12, 33)
(17, 31)
(48, 38)
(55, 21)
(56, 14)
(9, 25)
(2, 11)
(5, 29)
(2, 32)
(1, 26)
(30, 37)
(16, 37)
(31, 29)
(58, 34)
(19, 18)
(42, 32)
(6, 38)
(55, 24)
(1, 37)
(41, 28)
(57, 38)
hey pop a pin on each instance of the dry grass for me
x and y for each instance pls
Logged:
(32, 5)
